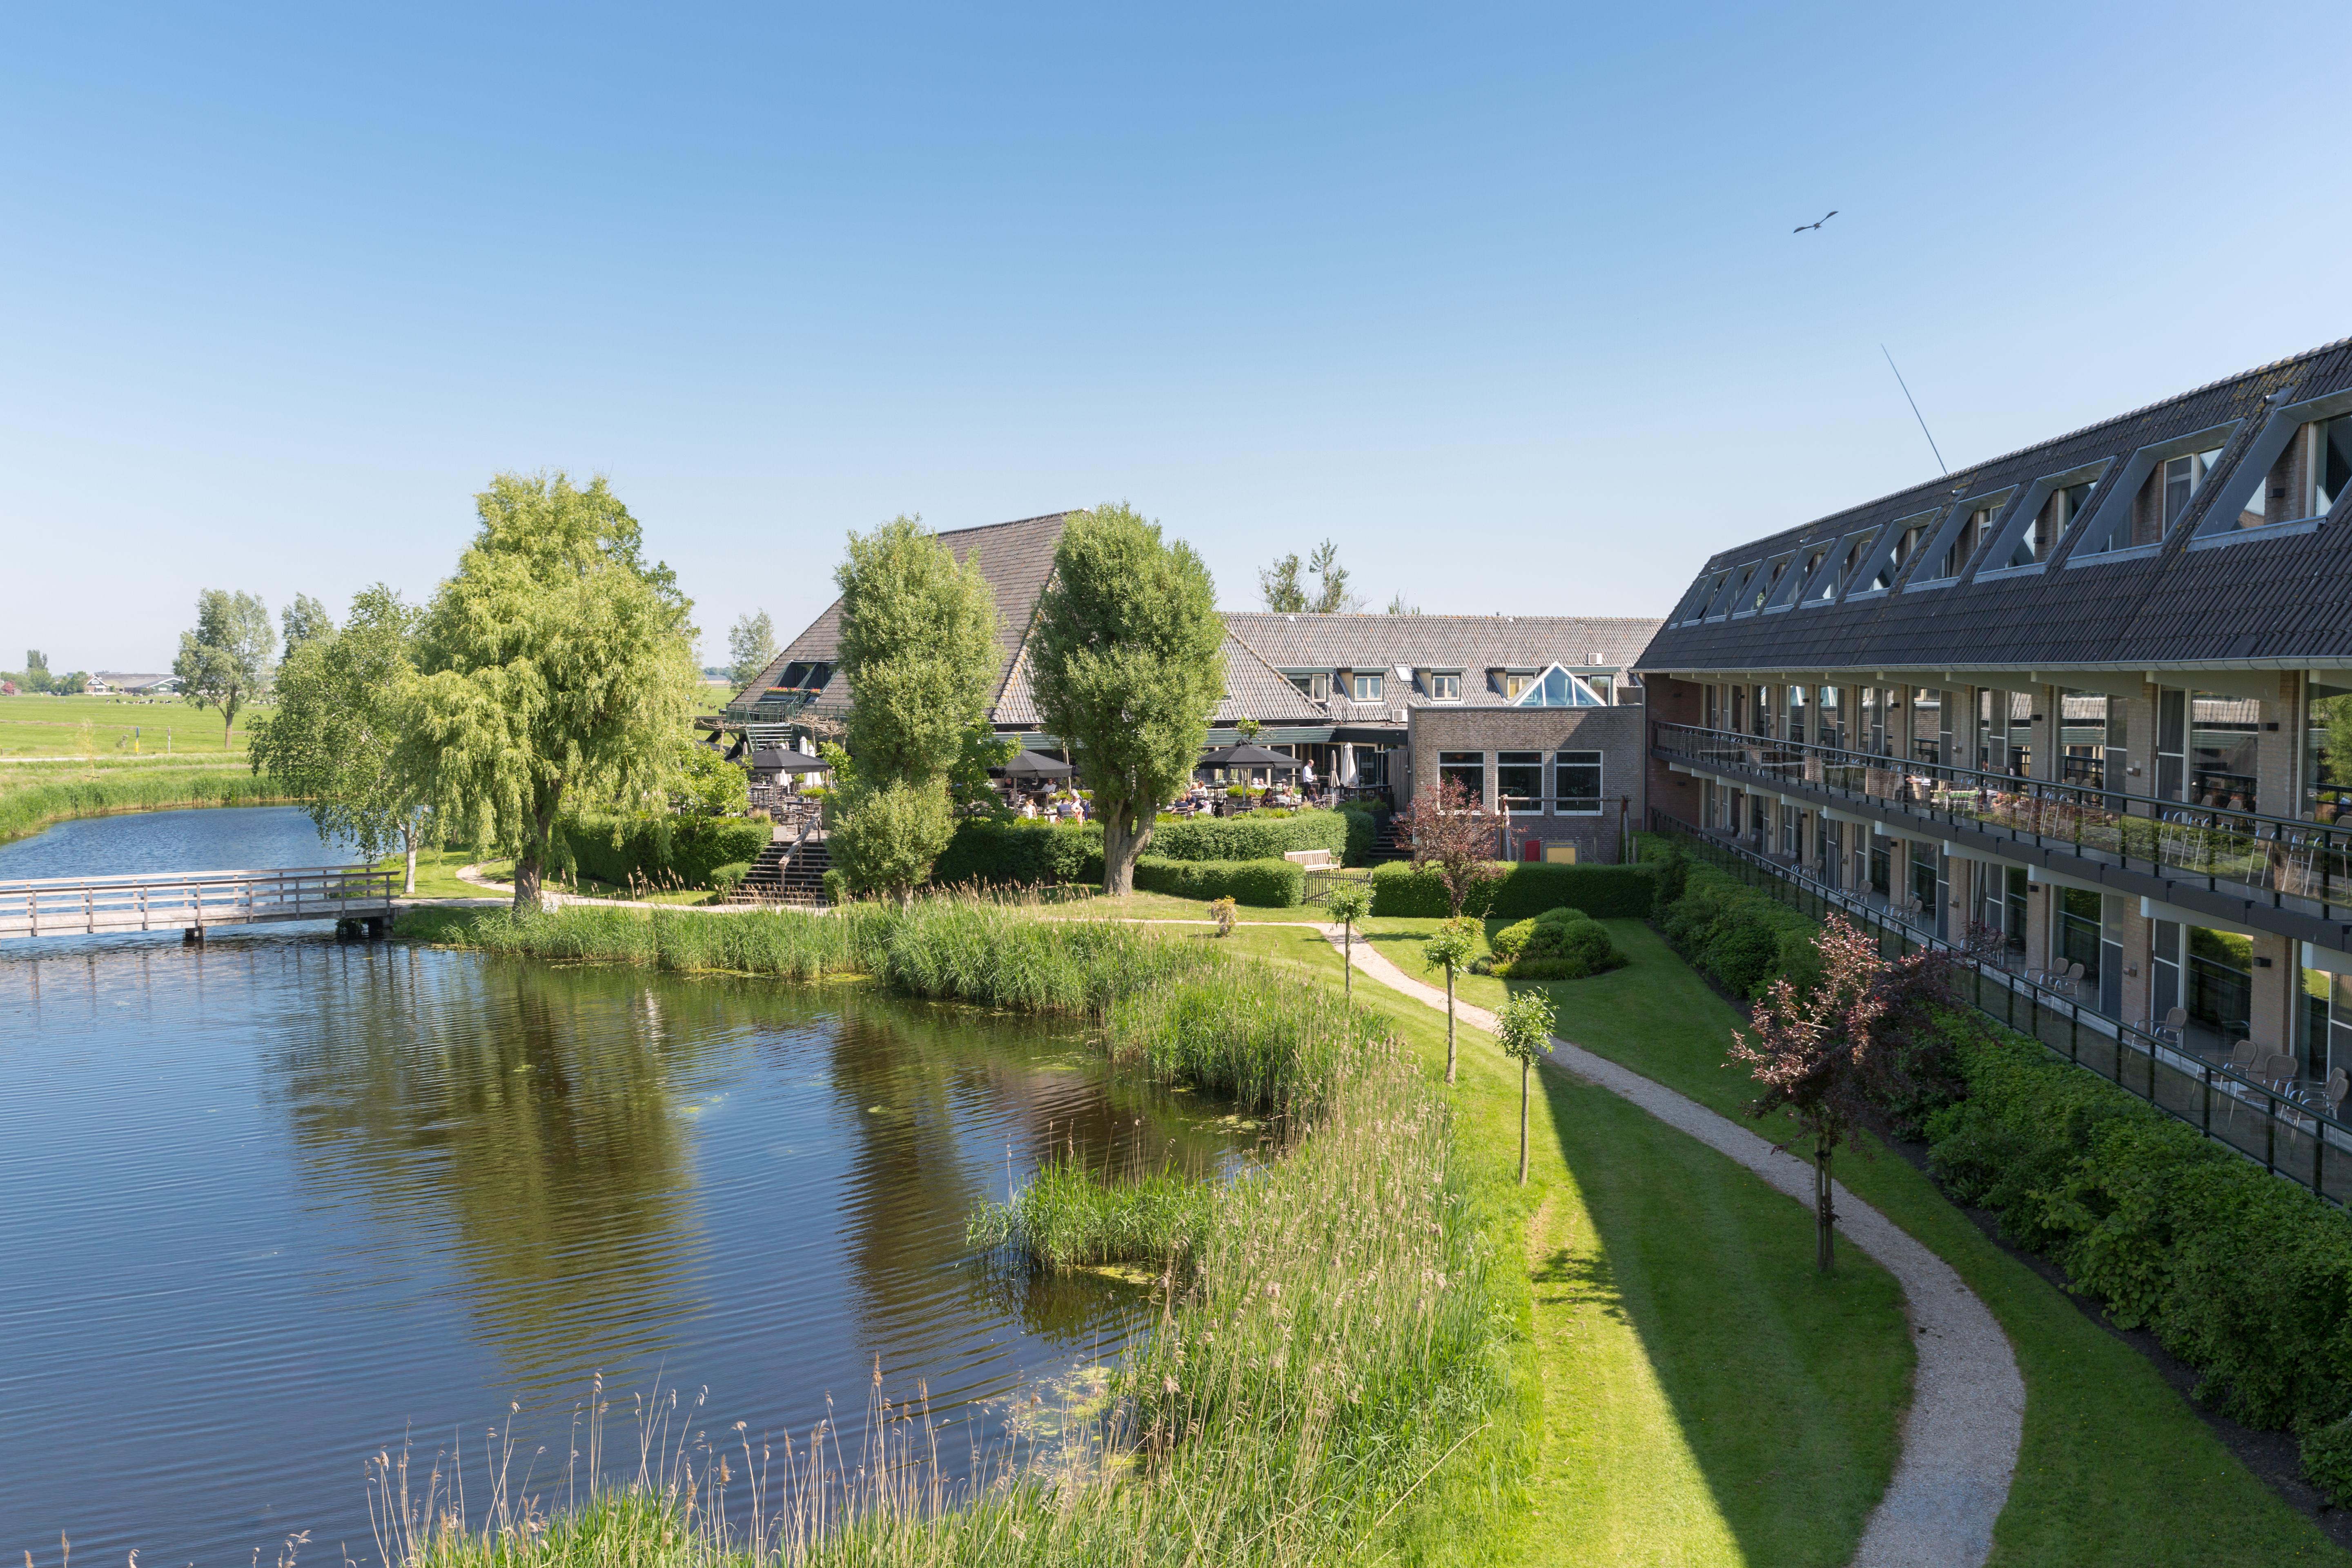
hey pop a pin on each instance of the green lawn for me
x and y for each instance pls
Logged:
(436, 878)
(1693, 1366)
(41, 726)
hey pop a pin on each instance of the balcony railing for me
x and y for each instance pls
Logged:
(2287, 1126)
(776, 705)
(2304, 867)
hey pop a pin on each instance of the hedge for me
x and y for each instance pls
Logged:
(686, 851)
(1605, 892)
(1742, 936)
(1363, 834)
(1020, 854)
(1271, 884)
(2241, 1275)
(1257, 836)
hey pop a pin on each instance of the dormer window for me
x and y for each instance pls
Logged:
(2327, 464)
(2178, 481)
(1315, 685)
(1793, 582)
(1964, 548)
(1758, 591)
(1446, 686)
(1366, 687)
(1516, 681)
(2059, 513)
(1905, 543)
(1555, 688)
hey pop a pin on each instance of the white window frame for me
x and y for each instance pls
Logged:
(1357, 681)
(1445, 685)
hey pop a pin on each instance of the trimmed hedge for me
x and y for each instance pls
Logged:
(1363, 834)
(1742, 936)
(2241, 1275)
(687, 850)
(1254, 836)
(1273, 884)
(1605, 892)
(1020, 854)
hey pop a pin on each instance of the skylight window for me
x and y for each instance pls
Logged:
(1556, 688)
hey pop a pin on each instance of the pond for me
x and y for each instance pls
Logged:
(271, 1205)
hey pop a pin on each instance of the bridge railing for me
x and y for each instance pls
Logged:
(180, 900)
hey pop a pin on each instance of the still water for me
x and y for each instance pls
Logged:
(268, 1206)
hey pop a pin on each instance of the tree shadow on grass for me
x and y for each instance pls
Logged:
(1789, 1386)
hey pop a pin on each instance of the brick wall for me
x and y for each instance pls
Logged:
(1619, 734)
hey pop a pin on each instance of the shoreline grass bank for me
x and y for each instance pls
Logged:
(31, 801)
(1341, 1335)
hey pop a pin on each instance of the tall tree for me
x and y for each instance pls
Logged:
(1331, 595)
(302, 620)
(1283, 588)
(751, 647)
(225, 662)
(555, 667)
(1129, 660)
(342, 698)
(37, 671)
(918, 647)
(1278, 587)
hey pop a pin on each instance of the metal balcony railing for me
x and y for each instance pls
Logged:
(776, 705)
(2304, 867)
(2285, 1127)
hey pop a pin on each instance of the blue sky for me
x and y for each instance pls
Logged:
(1506, 301)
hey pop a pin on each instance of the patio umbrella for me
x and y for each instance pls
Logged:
(1035, 766)
(783, 762)
(1248, 756)
(1348, 763)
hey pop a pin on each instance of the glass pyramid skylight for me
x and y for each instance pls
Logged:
(1556, 688)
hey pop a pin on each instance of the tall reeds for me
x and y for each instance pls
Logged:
(1067, 1217)
(30, 800)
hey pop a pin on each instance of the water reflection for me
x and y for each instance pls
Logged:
(271, 1203)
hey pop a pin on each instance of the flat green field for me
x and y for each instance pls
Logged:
(111, 727)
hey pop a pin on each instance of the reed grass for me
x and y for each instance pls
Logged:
(1067, 1217)
(31, 803)
(1339, 1334)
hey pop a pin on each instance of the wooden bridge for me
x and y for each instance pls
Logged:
(195, 901)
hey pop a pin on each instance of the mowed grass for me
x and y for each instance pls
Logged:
(2114, 1467)
(41, 726)
(1707, 1396)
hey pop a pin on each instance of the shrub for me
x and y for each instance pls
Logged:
(1260, 835)
(1262, 884)
(1742, 936)
(1364, 833)
(664, 850)
(2243, 1276)
(1020, 854)
(1561, 944)
(1606, 892)
(726, 878)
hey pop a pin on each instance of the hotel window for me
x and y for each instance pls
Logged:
(1707, 600)
(1928, 729)
(1972, 532)
(2060, 512)
(1803, 574)
(2181, 479)
(2327, 464)
(1760, 586)
(1797, 714)
(1905, 543)
(1446, 686)
(1829, 720)
(1518, 779)
(2328, 753)
(1367, 688)
(1316, 684)
(1575, 783)
(1467, 769)
(1846, 568)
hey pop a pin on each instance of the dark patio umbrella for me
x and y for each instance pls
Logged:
(783, 761)
(1035, 766)
(1248, 756)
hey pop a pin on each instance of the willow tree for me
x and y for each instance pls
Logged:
(555, 667)
(918, 648)
(1128, 663)
(341, 703)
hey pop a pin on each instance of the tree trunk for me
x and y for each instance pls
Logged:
(1449, 1022)
(1525, 1066)
(1123, 840)
(531, 863)
(1824, 1215)
(408, 888)
(1348, 983)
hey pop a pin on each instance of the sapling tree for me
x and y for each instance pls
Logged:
(1816, 1051)
(1449, 947)
(1451, 837)
(1523, 1028)
(1348, 904)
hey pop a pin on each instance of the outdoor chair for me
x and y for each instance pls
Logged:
(2237, 1059)
(2073, 978)
(2175, 1023)
(2279, 1071)
(2329, 1099)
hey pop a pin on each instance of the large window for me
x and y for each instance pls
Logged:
(2328, 463)
(1316, 685)
(1467, 769)
(2223, 734)
(2182, 477)
(2327, 754)
(1575, 783)
(1518, 779)
(2058, 514)
(1367, 688)
(1446, 686)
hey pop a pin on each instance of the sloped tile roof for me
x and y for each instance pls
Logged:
(1253, 689)
(2268, 600)
(1471, 644)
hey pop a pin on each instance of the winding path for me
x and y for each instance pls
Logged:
(1968, 1400)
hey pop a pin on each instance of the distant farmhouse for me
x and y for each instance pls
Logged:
(1541, 713)
(121, 683)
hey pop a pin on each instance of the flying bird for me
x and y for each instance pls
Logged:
(1824, 218)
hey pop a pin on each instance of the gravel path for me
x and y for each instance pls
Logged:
(1968, 1401)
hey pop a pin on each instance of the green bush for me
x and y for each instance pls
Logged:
(1558, 944)
(726, 878)
(1262, 884)
(1260, 835)
(2243, 1276)
(1363, 832)
(683, 851)
(1742, 936)
(1605, 892)
(1020, 854)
